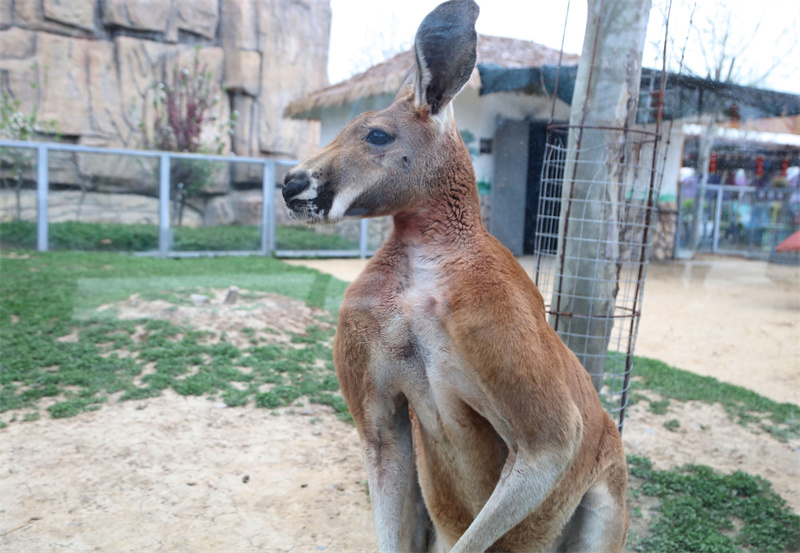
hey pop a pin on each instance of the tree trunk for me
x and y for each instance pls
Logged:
(702, 172)
(589, 232)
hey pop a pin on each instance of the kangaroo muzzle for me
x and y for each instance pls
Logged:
(294, 185)
(305, 198)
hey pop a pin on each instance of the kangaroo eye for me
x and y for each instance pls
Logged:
(377, 137)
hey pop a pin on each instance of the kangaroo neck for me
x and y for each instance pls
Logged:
(450, 217)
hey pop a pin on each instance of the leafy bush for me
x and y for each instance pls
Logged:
(183, 105)
(16, 164)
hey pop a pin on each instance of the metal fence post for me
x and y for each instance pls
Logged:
(363, 236)
(268, 209)
(163, 206)
(42, 189)
(717, 220)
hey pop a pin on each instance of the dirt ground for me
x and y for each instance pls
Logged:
(184, 474)
(735, 320)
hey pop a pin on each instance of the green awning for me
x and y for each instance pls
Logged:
(684, 96)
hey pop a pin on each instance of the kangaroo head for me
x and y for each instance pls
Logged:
(388, 161)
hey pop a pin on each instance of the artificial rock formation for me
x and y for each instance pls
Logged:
(91, 64)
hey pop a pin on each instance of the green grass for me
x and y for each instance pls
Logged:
(700, 510)
(659, 407)
(72, 235)
(47, 296)
(781, 420)
(672, 425)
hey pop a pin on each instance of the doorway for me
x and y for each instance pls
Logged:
(519, 157)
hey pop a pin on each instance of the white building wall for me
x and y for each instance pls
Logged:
(672, 163)
(670, 158)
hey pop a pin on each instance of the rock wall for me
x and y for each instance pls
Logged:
(91, 64)
(664, 230)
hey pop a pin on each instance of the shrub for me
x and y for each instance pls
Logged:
(16, 164)
(183, 105)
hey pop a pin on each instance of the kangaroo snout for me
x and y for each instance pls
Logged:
(294, 184)
(305, 199)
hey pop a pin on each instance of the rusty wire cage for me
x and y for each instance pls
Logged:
(595, 213)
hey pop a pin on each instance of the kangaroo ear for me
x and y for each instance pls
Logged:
(445, 49)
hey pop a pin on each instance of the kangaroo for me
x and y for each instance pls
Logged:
(481, 431)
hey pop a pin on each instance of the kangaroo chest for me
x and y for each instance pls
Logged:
(417, 345)
(402, 321)
(400, 315)
(444, 390)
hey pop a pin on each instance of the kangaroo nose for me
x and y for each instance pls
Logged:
(294, 185)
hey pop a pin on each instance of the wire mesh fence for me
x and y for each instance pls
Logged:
(596, 202)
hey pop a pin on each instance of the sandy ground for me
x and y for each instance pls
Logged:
(735, 320)
(168, 474)
(184, 474)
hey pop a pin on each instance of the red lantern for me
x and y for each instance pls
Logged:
(759, 167)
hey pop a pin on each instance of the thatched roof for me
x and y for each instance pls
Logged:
(387, 76)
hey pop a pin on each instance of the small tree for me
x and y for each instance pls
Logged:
(183, 105)
(15, 163)
(606, 97)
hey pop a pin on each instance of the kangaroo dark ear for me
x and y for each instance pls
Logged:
(445, 48)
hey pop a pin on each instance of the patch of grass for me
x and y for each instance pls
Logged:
(94, 290)
(41, 294)
(659, 407)
(72, 407)
(338, 404)
(303, 238)
(279, 396)
(701, 510)
(236, 398)
(242, 238)
(781, 420)
(117, 237)
(319, 291)
(72, 235)
(672, 425)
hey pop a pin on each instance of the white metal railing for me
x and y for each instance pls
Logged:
(739, 219)
(267, 224)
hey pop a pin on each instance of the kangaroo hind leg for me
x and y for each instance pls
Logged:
(599, 524)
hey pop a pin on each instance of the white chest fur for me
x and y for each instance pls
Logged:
(424, 298)
(439, 397)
